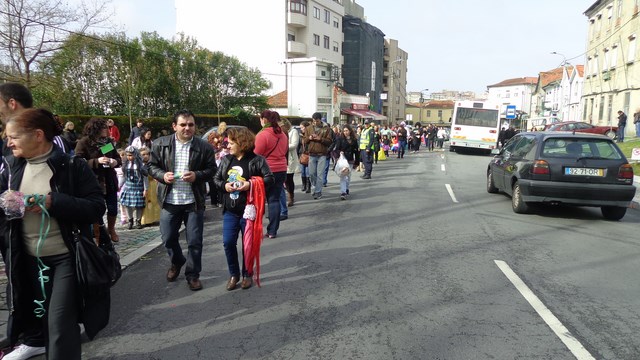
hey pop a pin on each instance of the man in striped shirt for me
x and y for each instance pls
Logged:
(182, 164)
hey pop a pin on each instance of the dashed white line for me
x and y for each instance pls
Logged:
(552, 321)
(442, 167)
(450, 190)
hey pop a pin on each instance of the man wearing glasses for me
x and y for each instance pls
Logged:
(182, 164)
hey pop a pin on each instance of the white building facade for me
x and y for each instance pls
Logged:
(513, 92)
(269, 35)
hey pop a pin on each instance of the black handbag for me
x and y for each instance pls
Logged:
(97, 266)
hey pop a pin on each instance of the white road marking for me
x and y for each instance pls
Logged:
(552, 321)
(442, 167)
(450, 190)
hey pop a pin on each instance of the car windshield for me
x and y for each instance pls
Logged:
(580, 148)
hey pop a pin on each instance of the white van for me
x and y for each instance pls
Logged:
(539, 123)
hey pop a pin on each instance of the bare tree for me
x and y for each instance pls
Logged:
(32, 30)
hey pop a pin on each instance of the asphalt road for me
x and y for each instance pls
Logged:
(405, 269)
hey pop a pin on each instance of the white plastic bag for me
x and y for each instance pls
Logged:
(342, 166)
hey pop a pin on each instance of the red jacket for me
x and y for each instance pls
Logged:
(114, 133)
(273, 147)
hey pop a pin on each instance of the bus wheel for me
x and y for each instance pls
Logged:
(452, 148)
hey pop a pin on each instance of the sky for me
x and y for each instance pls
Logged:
(461, 45)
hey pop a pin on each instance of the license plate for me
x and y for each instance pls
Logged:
(583, 171)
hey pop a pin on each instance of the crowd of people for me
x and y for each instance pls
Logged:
(168, 181)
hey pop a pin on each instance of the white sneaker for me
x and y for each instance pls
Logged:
(23, 352)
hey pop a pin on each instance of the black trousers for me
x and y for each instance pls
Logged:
(60, 321)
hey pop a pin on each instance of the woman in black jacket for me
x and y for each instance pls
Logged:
(43, 174)
(98, 149)
(233, 176)
(347, 144)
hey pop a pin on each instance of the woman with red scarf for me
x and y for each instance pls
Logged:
(233, 176)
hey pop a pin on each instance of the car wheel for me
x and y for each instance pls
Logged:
(519, 206)
(452, 148)
(491, 188)
(611, 134)
(613, 212)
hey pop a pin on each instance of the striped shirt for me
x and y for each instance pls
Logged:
(181, 192)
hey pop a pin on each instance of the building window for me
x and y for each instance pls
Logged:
(298, 6)
(326, 42)
(316, 12)
(316, 39)
(605, 65)
(335, 46)
(440, 114)
(336, 23)
(327, 16)
(291, 37)
(584, 112)
(619, 10)
(601, 110)
(428, 113)
(614, 57)
(631, 56)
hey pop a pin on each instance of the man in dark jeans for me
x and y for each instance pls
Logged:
(182, 164)
(622, 123)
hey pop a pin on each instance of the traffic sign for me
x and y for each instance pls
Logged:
(511, 112)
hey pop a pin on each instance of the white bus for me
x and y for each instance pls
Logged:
(475, 125)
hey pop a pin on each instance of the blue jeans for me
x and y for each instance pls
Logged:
(273, 199)
(402, 144)
(284, 210)
(326, 171)
(171, 217)
(638, 129)
(316, 167)
(621, 133)
(232, 224)
(344, 182)
(304, 170)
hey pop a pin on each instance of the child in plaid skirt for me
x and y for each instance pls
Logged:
(135, 186)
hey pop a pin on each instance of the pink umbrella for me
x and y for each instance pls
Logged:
(252, 238)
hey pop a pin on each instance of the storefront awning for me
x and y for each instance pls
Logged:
(365, 114)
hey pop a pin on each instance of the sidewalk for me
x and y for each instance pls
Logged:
(133, 245)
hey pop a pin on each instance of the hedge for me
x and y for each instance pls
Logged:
(162, 125)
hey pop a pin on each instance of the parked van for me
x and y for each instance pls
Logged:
(539, 123)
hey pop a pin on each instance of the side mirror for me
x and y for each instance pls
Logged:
(495, 151)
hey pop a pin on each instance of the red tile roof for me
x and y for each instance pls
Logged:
(517, 81)
(547, 77)
(278, 100)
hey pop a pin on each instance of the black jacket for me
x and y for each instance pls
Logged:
(350, 151)
(257, 167)
(202, 161)
(81, 203)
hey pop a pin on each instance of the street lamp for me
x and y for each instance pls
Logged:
(392, 99)
(421, 104)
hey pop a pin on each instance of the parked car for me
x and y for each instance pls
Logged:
(205, 136)
(584, 127)
(563, 168)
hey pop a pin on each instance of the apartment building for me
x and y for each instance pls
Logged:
(290, 41)
(394, 81)
(612, 73)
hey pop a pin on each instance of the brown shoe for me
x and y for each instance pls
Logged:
(246, 283)
(194, 284)
(173, 272)
(231, 284)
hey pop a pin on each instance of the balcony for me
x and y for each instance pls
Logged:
(296, 20)
(295, 48)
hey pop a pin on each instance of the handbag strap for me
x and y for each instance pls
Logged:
(274, 147)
